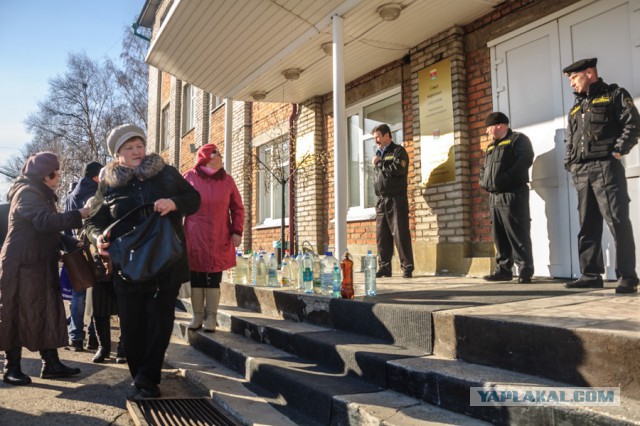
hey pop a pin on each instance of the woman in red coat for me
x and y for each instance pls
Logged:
(212, 233)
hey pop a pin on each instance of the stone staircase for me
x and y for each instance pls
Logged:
(404, 358)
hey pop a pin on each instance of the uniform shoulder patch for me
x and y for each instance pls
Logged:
(629, 102)
(403, 163)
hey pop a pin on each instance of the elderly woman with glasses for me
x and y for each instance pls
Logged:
(32, 314)
(147, 309)
(213, 233)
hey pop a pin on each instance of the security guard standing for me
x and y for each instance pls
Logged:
(603, 125)
(391, 164)
(505, 174)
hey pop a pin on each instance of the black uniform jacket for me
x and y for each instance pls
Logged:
(506, 163)
(601, 123)
(391, 172)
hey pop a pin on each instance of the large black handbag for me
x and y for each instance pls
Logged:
(147, 250)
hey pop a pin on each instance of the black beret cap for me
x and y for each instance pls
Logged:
(580, 65)
(496, 118)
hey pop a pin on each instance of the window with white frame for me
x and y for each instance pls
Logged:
(188, 108)
(274, 157)
(164, 131)
(216, 101)
(361, 120)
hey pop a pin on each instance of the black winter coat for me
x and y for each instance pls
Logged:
(122, 189)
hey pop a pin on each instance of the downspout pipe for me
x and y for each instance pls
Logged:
(292, 181)
(135, 27)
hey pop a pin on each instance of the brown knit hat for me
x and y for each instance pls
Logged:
(41, 164)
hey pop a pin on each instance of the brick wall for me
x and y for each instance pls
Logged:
(504, 19)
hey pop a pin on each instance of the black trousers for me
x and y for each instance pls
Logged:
(602, 194)
(146, 322)
(512, 231)
(392, 226)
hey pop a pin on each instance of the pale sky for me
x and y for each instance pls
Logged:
(36, 37)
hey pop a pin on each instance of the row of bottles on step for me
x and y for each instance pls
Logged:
(306, 272)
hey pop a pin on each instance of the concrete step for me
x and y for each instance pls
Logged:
(318, 394)
(446, 383)
(351, 354)
(403, 324)
(438, 381)
(585, 339)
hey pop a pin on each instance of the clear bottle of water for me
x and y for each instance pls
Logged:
(326, 273)
(317, 272)
(248, 259)
(263, 273)
(300, 271)
(240, 270)
(293, 271)
(272, 270)
(285, 270)
(337, 280)
(307, 273)
(370, 267)
(254, 268)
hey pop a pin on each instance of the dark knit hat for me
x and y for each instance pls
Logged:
(92, 169)
(122, 134)
(205, 154)
(41, 164)
(496, 118)
(580, 65)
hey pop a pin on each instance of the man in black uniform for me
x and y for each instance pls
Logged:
(391, 164)
(505, 174)
(603, 125)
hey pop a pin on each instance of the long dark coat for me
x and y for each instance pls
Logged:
(31, 310)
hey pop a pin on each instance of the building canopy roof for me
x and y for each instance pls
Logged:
(235, 48)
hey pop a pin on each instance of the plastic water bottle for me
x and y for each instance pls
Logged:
(254, 268)
(326, 274)
(263, 273)
(307, 273)
(317, 272)
(337, 280)
(293, 271)
(240, 270)
(346, 291)
(370, 267)
(249, 262)
(285, 270)
(272, 268)
(300, 271)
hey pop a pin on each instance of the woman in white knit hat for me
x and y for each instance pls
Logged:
(146, 309)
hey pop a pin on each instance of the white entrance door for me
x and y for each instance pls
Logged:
(603, 30)
(529, 87)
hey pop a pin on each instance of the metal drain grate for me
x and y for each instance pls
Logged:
(179, 411)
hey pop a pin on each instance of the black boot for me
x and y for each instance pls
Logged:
(121, 357)
(52, 368)
(13, 374)
(103, 332)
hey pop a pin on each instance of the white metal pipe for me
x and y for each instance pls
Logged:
(340, 150)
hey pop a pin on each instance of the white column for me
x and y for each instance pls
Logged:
(340, 150)
(228, 127)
